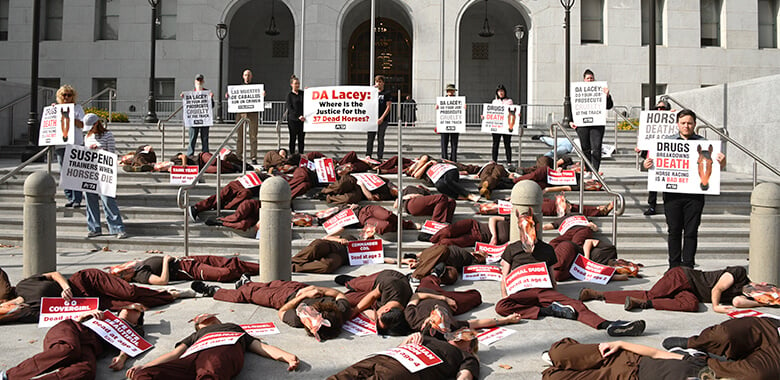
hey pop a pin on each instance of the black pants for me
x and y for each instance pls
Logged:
(507, 146)
(296, 132)
(652, 199)
(449, 185)
(683, 216)
(380, 143)
(449, 139)
(590, 141)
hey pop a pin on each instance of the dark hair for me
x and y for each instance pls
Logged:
(331, 312)
(588, 71)
(664, 107)
(501, 87)
(542, 161)
(686, 112)
(379, 77)
(292, 78)
(395, 323)
(450, 275)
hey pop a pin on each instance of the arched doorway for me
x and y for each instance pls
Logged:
(393, 55)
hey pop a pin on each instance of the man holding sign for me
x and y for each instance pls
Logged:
(197, 114)
(248, 99)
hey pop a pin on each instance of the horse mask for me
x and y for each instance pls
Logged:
(704, 164)
(527, 230)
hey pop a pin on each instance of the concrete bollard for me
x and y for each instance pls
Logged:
(40, 224)
(765, 233)
(275, 231)
(525, 194)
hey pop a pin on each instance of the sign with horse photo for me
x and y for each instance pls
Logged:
(684, 166)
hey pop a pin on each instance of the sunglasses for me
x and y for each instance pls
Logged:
(67, 95)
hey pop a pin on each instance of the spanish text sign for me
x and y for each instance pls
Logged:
(365, 252)
(415, 357)
(500, 118)
(340, 109)
(197, 110)
(451, 114)
(54, 310)
(655, 125)
(584, 269)
(588, 103)
(58, 126)
(246, 98)
(90, 170)
(684, 166)
(119, 334)
(528, 276)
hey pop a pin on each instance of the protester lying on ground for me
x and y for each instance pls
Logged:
(382, 295)
(218, 362)
(493, 176)
(230, 197)
(466, 232)
(550, 207)
(377, 219)
(160, 270)
(142, 160)
(571, 227)
(418, 201)
(447, 259)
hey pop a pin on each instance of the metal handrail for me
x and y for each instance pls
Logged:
(619, 115)
(278, 130)
(183, 195)
(620, 203)
(15, 102)
(111, 98)
(161, 128)
(49, 149)
(756, 158)
(725, 132)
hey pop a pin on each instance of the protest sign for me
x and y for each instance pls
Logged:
(344, 218)
(752, 313)
(58, 126)
(585, 269)
(436, 171)
(305, 163)
(183, 175)
(451, 114)
(490, 336)
(326, 173)
(118, 333)
(572, 221)
(481, 273)
(212, 340)
(431, 227)
(369, 180)
(563, 177)
(54, 310)
(415, 357)
(493, 252)
(504, 207)
(360, 326)
(589, 103)
(341, 109)
(528, 276)
(365, 252)
(246, 98)
(500, 118)
(196, 111)
(655, 125)
(684, 166)
(250, 180)
(89, 170)
(260, 329)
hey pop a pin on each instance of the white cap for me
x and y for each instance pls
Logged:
(89, 120)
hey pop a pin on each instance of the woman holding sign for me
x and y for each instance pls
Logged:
(67, 94)
(592, 136)
(502, 99)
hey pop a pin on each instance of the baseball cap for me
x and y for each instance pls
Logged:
(89, 120)
(199, 77)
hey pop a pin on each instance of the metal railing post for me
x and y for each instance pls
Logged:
(219, 181)
(400, 161)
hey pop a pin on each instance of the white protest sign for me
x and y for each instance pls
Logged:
(365, 252)
(250, 180)
(260, 329)
(118, 333)
(305, 163)
(183, 175)
(212, 340)
(504, 207)
(752, 313)
(493, 252)
(481, 273)
(431, 227)
(246, 98)
(341, 109)
(684, 166)
(588, 103)
(584, 269)
(655, 125)
(493, 335)
(451, 114)
(369, 180)
(360, 326)
(528, 276)
(607, 150)
(500, 118)
(54, 310)
(197, 110)
(572, 221)
(563, 177)
(436, 171)
(58, 126)
(344, 218)
(415, 357)
(90, 170)
(326, 173)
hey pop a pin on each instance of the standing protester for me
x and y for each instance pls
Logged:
(98, 137)
(385, 101)
(67, 94)
(449, 138)
(295, 117)
(253, 124)
(683, 211)
(203, 131)
(591, 137)
(409, 111)
(502, 99)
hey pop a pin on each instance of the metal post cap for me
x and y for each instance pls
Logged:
(275, 189)
(40, 183)
(527, 192)
(766, 194)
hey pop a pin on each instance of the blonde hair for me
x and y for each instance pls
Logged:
(69, 88)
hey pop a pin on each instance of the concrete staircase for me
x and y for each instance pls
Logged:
(148, 202)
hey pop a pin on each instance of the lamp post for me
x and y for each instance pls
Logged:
(32, 118)
(222, 30)
(519, 34)
(567, 5)
(651, 56)
(151, 115)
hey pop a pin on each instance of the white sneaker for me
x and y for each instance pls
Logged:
(92, 234)
(121, 235)
(546, 358)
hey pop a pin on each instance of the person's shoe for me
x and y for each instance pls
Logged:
(588, 175)
(563, 311)
(121, 235)
(624, 328)
(438, 269)
(186, 293)
(254, 161)
(245, 279)
(587, 294)
(342, 279)
(707, 373)
(536, 137)
(650, 211)
(69, 204)
(634, 303)
(202, 288)
(424, 237)
(212, 221)
(76, 204)
(675, 341)
(193, 214)
(92, 234)
(546, 358)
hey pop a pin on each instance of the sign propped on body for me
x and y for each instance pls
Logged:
(436, 171)
(572, 221)
(481, 273)
(585, 269)
(118, 333)
(751, 313)
(212, 340)
(250, 180)
(369, 180)
(528, 276)
(183, 175)
(344, 218)
(260, 329)
(561, 178)
(326, 173)
(53, 309)
(364, 252)
(431, 227)
(360, 326)
(494, 252)
(415, 357)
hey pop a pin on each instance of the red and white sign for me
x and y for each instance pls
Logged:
(493, 335)
(260, 329)
(563, 177)
(572, 221)
(528, 276)
(183, 175)
(684, 166)
(344, 218)
(752, 313)
(415, 357)
(365, 252)
(326, 173)
(213, 340)
(431, 227)
(57, 122)
(360, 325)
(341, 109)
(584, 269)
(54, 310)
(370, 181)
(504, 207)
(118, 333)
(481, 273)
(223, 153)
(494, 252)
(305, 163)
(250, 180)
(436, 171)
(501, 118)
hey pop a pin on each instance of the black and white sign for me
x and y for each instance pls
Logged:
(246, 98)
(451, 114)
(197, 110)
(588, 103)
(89, 170)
